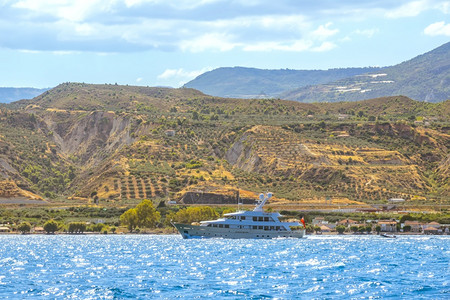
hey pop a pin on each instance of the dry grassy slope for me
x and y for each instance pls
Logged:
(80, 96)
(367, 170)
(9, 189)
(115, 137)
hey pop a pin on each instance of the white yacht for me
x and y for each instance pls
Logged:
(255, 224)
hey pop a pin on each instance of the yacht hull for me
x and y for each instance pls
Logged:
(194, 231)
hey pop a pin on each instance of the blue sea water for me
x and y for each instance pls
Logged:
(168, 267)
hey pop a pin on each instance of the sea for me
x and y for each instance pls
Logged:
(168, 267)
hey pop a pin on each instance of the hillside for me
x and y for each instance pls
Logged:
(239, 82)
(9, 94)
(424, 78)
(122, 143)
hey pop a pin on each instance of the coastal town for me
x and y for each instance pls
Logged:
(321, 226)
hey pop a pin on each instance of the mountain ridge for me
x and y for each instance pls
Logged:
(239, 82)
(423, 78)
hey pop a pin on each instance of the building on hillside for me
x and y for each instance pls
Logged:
(4, 228)
(170, 132)
(415, 226)
(396, 200)
(39, 230)
(434, 225)
(319, 221)
(347, 222)
(388, 226)
(325, 228)
(431, 230)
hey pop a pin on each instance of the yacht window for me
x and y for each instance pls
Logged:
(242, 218)
(266, 219)
(271, 228)
(255, 218)
(260, 227)
(220, 226)
(255, 227)
(260, 219)
(227, 226)
(266, 227)
(277, 228)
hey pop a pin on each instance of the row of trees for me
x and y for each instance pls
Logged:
(52, 226)
(144, 215)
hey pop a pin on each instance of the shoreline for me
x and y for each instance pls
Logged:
(176, 233)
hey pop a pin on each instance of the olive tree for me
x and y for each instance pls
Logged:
(50, 226)
(340, 229)
(24, 227)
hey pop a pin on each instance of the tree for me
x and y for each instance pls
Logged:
(169, 217)
(98, 227)
(195, 214)
(130, 219)
(340, 229)
(378, 229)
(147, 215)
(317, 229)
(369, 228)
(407, 228)
(24, 227)
(354, 228)
(77, 227)
(50, 226)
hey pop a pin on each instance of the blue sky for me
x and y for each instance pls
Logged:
(167, 43)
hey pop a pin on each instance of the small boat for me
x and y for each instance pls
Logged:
(256, 224)
(391, 236)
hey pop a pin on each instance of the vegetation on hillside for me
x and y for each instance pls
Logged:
(120, 144)
(423, 78)
(240, 82)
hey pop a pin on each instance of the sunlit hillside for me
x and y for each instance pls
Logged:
(121, 143)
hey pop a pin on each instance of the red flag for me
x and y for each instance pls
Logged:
(303, 222)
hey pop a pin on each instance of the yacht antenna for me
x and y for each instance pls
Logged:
(262, 200)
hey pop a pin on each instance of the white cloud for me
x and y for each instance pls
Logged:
(103, 26)
(410, 9)
(65, 9)
(325, 46)
(180, 76)
(139, 79)
(297, 46)
(367, 32)
(438, 28)
(324, 31)
(179, 4)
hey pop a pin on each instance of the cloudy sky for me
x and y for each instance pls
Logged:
(169, 42)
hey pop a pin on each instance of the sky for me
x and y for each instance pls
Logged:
(167, 43)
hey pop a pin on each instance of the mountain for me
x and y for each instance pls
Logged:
(121, 143)
(9, 94)
(239, 82)
(424, 78)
